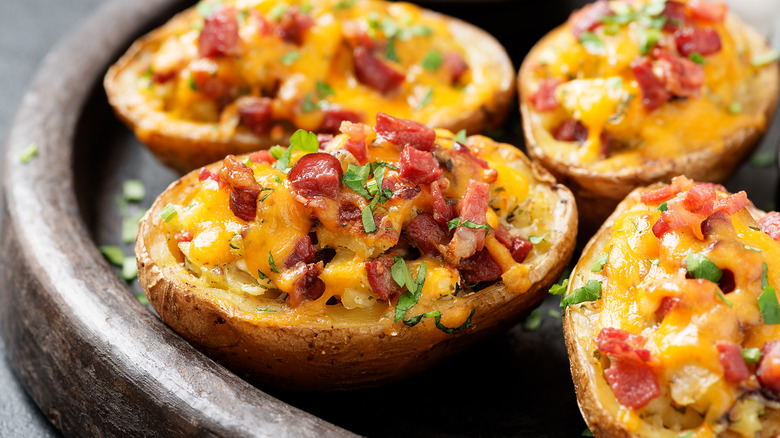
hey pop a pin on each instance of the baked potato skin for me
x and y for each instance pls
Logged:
(602, 191)
(590, 385)
(184, 145)
(308, 356)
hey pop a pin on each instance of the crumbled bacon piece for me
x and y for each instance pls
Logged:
(571, 130)
(589, 17)
(210, 174)
(463, 149)
(701, 40)
(732, 204)
(714, 221)
(633, 383)
(374, 72)
(292, 25)
(356, 144)
(418, 167)
(454, 63)
(324, 141)
(679, 184)
(214, 87)
(517, 246)
(316, 174)
(681, 76)
(622, 345)
(544, 98)
(654, 93)
(473, 207)
(730, 355)
(333, 116)
(303, 252)
(400, 189)
(710, 11)
(308, 286)
(442, 211)
(479, 267)
(770, 224)
(380, 277)
(768, 371)
(219, 36)
(183, 236)
(244, 189)
(667, 305)
(426, 234)
(262, 157)
(404, 132)
(676, 15)
(256, 113)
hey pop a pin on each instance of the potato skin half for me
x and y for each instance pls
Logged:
(185, 145)
(589, 382)
(602, 191)
(309, 356)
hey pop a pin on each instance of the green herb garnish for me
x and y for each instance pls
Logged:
(762, 159)
(263, 309)
(403, 277)
(735, 108)
(277, 11)
(764, 58)
(697, 58)
(133, 190)
(591, 42)
(308, 104)
(647, 38)
(663, 207)
(460, 222)
(426, 98)
(168, 213)
(537, 239)
(272, 263)
(301, 140)
(113, 254)
(323, 90)
(559, 288)
(390, 52)
(28, 153)
(355, 178)
(533, 321)
(751, 355)
(767, 301)
(142, 298)
(290, 57)
(460, 137)
(590, 292)
(205, 9)
(599, 263)
(260, 275)
(700, 266)
(432, 61)
(129, 268)
(367, 216)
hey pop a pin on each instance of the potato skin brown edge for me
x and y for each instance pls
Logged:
(304, 356)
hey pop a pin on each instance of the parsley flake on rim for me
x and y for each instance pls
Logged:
(599, 263)
(590, 292)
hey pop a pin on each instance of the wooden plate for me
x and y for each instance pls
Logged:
(97, 362)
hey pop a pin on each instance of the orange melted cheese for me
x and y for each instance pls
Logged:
(305, 80)
(229, 253)
(600, 90)
(643, 269)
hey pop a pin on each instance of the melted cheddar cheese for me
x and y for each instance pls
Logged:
(599, 89)
(643, 271)
(245, 259)
(307, 79)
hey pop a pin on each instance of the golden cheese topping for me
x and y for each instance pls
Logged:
(259, 66)
(361, 228)
(692, 273)
(625, 83)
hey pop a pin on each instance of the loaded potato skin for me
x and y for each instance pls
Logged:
(626, 94)
(235, 76)
(350, 261)
(672, 322)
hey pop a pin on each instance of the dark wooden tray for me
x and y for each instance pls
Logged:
(97, 362)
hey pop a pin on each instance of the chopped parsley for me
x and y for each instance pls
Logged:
(390, 52)
(260, 275)
(701, 267)
(272, 263)
(590, 292)
(28, 153)
(662, 207)
(647, 38)
(290, 57)
(308, 104)
(403, 278)
(168, 213)
(263, 309)
(133, 190)
(460, 222)
(277, 11)
(559, 288)
(614, 82)
(113, 254)
(301, 140)
(537, 239)
(367, 216)
(205, 8)
(323, 90)
(533, 321)
(735, 108)
(697, 58)
(432, 61)
(599, 263)
(751, 355)
(345, 4)
(767, 301)
(592, 43)
(355, 178)
(426, 98)
(587, 432)
(460, 137)
(142, 298)
(762, 159)
(241, 16)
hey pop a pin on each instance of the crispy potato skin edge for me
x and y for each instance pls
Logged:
(601, 192)
(184, 145)
(308, 357)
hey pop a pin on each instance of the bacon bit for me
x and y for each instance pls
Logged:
(183, 236)
(380, 278)
(348, 212)
(622, 345)
(770, 224)
(356, 145)
(654, 93)
(698, 200)
(418, 167)
(676, 15)
(454, 63)
(544, 98)
(681, 76)
(401, 190)
(324, 141)
(244, 189)
(214, 87)
(219, 36)
(710, 11)
(308, 286)
(667, 305)
(404, 132)
(768, 371)
(292, 25)
(732, 203)
(442, 211)
(210, 174)
(163, 77)
(734, 368)
(256, 114)
(571, 130)
(262, 157)
(264, 28)
(463, 149)
(302, 252)
(517, 246)
(426, 234)
(589, 17)
(479, 267)
(374, 72)
(633, 383)
(334, 116)
(679, 184)
(702, 40)
(667, 222)
(715, 221)
(473, 207)
(316, 174)
(607, 144)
